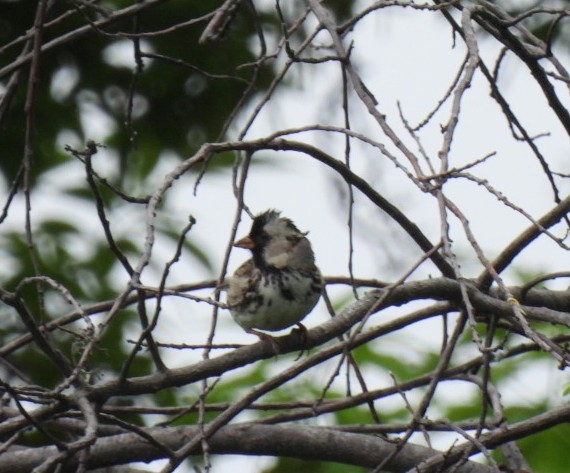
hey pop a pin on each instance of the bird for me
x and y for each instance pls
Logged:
(280, 284)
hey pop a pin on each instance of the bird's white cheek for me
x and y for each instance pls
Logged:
(278, 260)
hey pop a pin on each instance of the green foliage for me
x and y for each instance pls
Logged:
(373, 356)
(546, 451)
(469, 408)
(173, 99)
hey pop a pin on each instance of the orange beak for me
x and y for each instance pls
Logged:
(245, 242)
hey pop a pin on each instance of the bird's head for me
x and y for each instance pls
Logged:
(276, 242)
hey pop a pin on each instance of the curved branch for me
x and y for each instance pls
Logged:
(279, 144)
(435, 289)
(494, 23)
(517, 245)
(556, 416)
(126, 12)
(295, 441)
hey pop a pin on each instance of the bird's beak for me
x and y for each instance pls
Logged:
(245, 242)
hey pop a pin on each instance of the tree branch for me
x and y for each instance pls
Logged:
(295, 441)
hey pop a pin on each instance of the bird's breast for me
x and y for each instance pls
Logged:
(279, 300)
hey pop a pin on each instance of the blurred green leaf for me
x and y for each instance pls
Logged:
(546, 451)
(401, 368)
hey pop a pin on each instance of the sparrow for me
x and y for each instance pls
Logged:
(280, 284)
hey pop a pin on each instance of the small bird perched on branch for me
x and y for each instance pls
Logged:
(280, 284)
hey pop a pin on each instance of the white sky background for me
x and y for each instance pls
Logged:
(403, 55)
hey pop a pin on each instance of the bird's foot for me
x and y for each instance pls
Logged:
(301, 330)
(268, 338)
